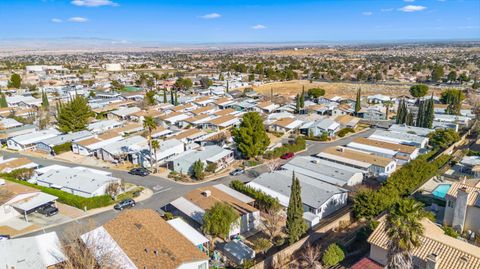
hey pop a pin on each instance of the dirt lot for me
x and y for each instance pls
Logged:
(291, 88)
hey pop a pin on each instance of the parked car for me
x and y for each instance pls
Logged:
(124, 204)
(141, 171)
(4, 237)
(237, 172)
(287, 155)
(48, 210)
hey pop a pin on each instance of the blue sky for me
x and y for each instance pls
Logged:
(205, 21)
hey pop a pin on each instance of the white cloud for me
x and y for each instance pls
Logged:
(78, 19)
(259, 27)
(412, 8)
(211, 16)
(93, 3)
(55, 20)
(367, 13)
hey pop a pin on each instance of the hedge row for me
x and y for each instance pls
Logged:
(345, 131)
(263, 201)
(65, 147)
(298, 145)
(370, 203)
(65, 197)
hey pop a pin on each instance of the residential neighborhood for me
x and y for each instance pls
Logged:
(255, 154)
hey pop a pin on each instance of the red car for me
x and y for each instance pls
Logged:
(287, 155)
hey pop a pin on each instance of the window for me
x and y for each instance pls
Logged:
(202, 266)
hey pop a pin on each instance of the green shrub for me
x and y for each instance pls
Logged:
(473, 153)
(263, 201)
(65, 147)
(345, 131)
(211, 167)
(333, 255)
(450, 231)
(298, 145)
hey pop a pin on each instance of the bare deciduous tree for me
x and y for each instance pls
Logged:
(272, 222)
(85, 250)
(310, 256)
(273, 164)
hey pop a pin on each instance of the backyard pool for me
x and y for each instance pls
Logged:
(441, 190)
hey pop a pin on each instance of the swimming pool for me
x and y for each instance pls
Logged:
(441, 190)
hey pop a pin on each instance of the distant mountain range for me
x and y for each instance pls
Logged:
(98, 44)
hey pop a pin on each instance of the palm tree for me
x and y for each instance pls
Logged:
(404, 229)
(155, 147)
(149, 124)
(387, 105)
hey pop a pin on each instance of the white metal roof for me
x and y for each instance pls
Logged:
(39, 251)
(188, 231)
(190, 209)
(238, 195)
(34, 201)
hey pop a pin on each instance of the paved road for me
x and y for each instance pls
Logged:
(164, 189)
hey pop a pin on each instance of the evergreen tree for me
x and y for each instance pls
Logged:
(198, 170)
(302, 98)
(15, 81)
(228, 86)
(164, 96)
(402, 112)
(429, 114)
(409, 120)
(251, 137)
(45, 103)
(172, 101)
(420, 114)
(176, 98)
(453, 98)
(358, 105)
(296, 226)
(297, 103)
(3, 100)
(74, 115)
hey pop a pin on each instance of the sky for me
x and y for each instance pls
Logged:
(223, 21)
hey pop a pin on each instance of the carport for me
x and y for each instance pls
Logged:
(31, 204)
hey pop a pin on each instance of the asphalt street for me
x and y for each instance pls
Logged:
(166, 190)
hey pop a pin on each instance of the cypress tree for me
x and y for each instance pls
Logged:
(358, 106)
(420, 114)
(171, 97)
(164, 96)
(296, 226)
(302, 99)
(297, 103)
(3, 100)
(176, 98)
(45, 103)
(409, 119)
(399, 112)
(429, 114)
(228, 86)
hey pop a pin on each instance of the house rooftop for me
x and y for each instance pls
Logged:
(474, 193)
(314, 192)
(207, 197)
(385, 145)
(348, 155)
(323, 170)
(150, 242)
(452, 253)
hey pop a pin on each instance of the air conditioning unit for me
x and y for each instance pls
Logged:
(207, 193)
